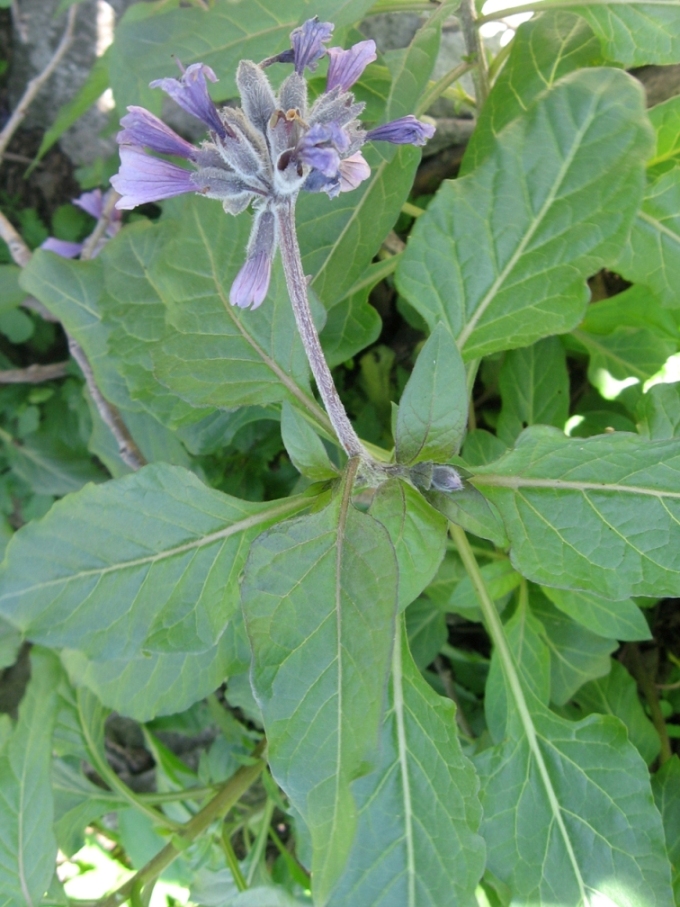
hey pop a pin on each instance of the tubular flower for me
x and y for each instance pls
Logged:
(265, 152)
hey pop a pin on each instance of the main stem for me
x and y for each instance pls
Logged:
(297, 289)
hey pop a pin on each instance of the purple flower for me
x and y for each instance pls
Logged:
(62, 247)
(321, 148)
(252, 281)
(308, 43)
(346, 66)
(191, 93)
(404, 131)
(143, 179)
(353, 171)
(144, 129)
(93, 204)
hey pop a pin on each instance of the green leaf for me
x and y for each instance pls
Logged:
(433, 408)
(352, 325)
(501, 255)
(11, 293)
(500, 578)
(534, 387)
(616, 694)
(28, 848)
(50, 467)
(548, 47)
(150, 562)
(10, 643)
(665, 118)
(636, 33)
(625, 353)
(666, 787)
(605, 510)
(636, 307)
(412, 67)
(652, 254)
(659, 412)
(569, 817)
(416, 841)
(481, 447)
(339, 237)
(417, 531)
(576, 654)
(77, 802)
(469, 509)
(319, 598)
(219, 36)
(426, 630)
(304, 447)
(146, 686)
(613, 620)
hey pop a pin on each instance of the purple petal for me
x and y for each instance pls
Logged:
(321, 146)
(143, 179)
(92, 203)
(62, 247)
(145, 130)
(346, 66)
(353, 171)
(252, 282)
(404, 131)
(308, 43)
(191, 93)
(446, 479)
(317, 182)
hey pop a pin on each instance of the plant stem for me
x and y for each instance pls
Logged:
(232, 862)
(218, 807)
(641, 674)
(467, 16)
(436, 89)
(297, 289)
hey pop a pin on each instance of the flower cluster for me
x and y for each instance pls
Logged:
(265, 152)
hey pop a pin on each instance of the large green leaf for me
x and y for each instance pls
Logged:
(220, 36)
(543, 50)
(319, 598)
(432, 414)
(616, 694)
(149, 562)
(569, 817)
(652, 253)
(501, 255)
(613, 620)
(636, 33)
(599, 514)
(416, 843)
(534, 387)
(27, 845)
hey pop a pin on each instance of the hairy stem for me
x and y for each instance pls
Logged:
(297, 289)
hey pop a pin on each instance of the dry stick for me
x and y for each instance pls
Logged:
(37, 83)
(92, 241)
(475, 50)
(129, 452)
(34, 374)
(217, 808)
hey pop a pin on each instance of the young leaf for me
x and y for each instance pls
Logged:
(614, 620)
(418, 533)
(636, 33)
(27, 845)
(433, 408)
(604, 508)
(501, 256)
(616, 694)
(304, 447)
(469, 509)
(319, 597)
(150, 561)
(416, 840)
(534, 387)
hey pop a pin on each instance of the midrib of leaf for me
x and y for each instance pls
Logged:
(662, 228)
(20, 833)
(517, 482)
(290, 505)
(495, 630)
(489, 297)
(397, 683)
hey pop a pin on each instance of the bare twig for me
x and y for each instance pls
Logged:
(30, 302)
(37, 83)
(34, 374)
(18, 249)
(18, 22)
